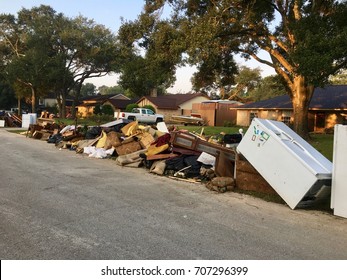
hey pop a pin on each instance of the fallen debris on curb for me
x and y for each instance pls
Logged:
(162, 150)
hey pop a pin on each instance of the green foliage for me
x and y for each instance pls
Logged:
(99, 119)
(152, 65)
(97, 110)
(247, 80)
(227, 124)
(105, 90)
(340, 78)
(107, 110)
(7, 97)
(43, 50)
(150, 107)
(88, 89)
(305, 40)
(268, 87)
(130, 107)
(52, 109)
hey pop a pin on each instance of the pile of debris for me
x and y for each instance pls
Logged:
(8, 119)
(267, 159)
(165, 151)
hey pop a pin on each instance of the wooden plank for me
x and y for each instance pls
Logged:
(161, 156)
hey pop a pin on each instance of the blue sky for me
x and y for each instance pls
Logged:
(109, 13)
(106, 12)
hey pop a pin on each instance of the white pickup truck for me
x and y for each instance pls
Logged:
(141, 115)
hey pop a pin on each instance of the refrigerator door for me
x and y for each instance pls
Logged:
(288, 163)
(339, 180)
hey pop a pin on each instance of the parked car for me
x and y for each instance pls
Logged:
(142, 115)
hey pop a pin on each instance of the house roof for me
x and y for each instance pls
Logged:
(171, 101)
(224, 101)
(97, 98)
(330, 97)
(120, 103)
(120, 96)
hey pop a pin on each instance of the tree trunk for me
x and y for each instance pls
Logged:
(76, 99)
(33, 100)
(63, 105)
(301, 97)
(19, 106)
(60, 106)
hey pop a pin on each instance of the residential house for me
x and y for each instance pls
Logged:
(119, 105)
(328, 107)
(173, 104)
(50, 101)
(87, 104)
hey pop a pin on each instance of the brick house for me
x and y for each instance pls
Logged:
(327, 108)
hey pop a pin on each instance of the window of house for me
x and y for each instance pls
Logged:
(252, 115)
(286, 120)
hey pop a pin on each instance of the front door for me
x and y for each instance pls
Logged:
(319, 122)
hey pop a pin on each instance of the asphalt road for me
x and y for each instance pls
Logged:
(56, 204)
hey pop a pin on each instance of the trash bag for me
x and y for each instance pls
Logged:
(54, 139)
(93, 132)
(232, 138)
(176, 163)
(194, 164)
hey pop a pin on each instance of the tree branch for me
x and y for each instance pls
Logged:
(278, 42)
(257, 58)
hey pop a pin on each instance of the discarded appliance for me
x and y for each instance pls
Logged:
(339, 187)
(28, 119)
(294, 169)
(116, 123)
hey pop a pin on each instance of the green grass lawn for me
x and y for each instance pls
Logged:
(324, 143)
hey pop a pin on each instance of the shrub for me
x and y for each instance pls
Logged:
(227, 124)
(107, 110)
(149, 107)
(97, 110)
(130, 107)
(99, 119)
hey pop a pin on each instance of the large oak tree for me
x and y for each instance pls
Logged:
(305, 40)
(47, 51)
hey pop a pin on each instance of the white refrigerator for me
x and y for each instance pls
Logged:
(294, 169)
(339, 180)
(28, 119)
